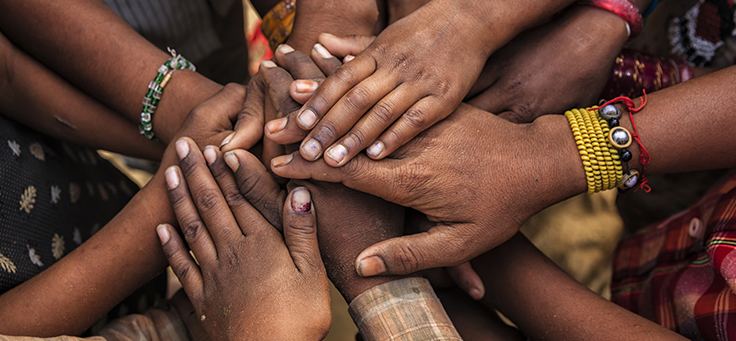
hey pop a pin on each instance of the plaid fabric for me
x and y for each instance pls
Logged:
(406, 309)
(681, 273)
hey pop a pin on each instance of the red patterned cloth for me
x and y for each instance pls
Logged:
(681, 273)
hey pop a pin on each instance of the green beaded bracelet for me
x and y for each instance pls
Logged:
(156, 90)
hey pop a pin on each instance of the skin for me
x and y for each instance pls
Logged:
(64, 112)
(515, 172)
(249, 281)
(367, 102)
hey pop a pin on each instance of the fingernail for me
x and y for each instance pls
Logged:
(305, 86)
(475, 294)
(301, 200)
(227, 140)
(322, 51)
(182, 148)
(172, 177)
(312, 148)
(307, 118)
(337, 153)
(348, 58)
(281, 160)
(376, 149)
(277, 125)
(284, 49)
(163, 233)
(209, 154)
(268, 64)
(371, 266)
(232, 161)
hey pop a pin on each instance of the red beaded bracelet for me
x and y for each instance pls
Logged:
(624, 9)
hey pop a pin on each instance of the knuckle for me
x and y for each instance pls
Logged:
(416, 119)
(355, 138)
(188, 165)
(345, 75)
(358, 98)
(183, 272)
(408, 258)
(192, 229)
(207, 199)
(383, 112)
(328, 131)
(302, 227)
(234, 199)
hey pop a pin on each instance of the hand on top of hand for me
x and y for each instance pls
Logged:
(396, 88)
(249, 282)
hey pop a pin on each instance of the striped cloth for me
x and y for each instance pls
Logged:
(681, 273)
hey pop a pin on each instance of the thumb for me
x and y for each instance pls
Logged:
(442, 245)
(300, 232)
(467, 279)
(343, 46)
(249, 126)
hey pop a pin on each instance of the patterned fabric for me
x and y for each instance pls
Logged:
(702, 30)
(406, 309)
(681, 273)
(278, 22)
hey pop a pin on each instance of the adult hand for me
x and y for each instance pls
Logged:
(391, 81)
(248, 281)
(560, 65)
(477, 176)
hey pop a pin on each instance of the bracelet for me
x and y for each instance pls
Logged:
(624, 9)
(278, 22)
(156, 90)
(600, 159)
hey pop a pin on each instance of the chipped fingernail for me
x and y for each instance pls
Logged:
(284, 49)
(182, 148)
(371, 266)
(312, 149)
(322, 51)
(281, 160)
(301, 200)
(277, 125)
(307, 118)
(305, 86)
(227, 139)
(337, 153)
(348, 58)
(163, 233)
(209, 154)
(376, 149)
(172, 177)
(232, 161)
(268, 64)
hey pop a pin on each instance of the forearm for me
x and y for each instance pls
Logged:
(314, 17)
(38, 98)
(73, 293)
(545, 303)
(87, 44)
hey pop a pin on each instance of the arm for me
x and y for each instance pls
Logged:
(38, 98)
(547, 304)
(84, 42)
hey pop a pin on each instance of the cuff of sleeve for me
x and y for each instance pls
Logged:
(403, 308)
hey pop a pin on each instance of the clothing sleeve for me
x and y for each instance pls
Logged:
(57, 338)
(403, 309)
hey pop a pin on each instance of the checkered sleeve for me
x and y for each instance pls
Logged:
(405, 309)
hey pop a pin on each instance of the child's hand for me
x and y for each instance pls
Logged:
(414, 74)
(248, 281)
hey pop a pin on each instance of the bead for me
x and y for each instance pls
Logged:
(629, 180)
(609, 112)
(163, 69)
(166, 80)
(613, 123)
(145, 117)
(619, 137)
(626, 155)
(146, 101)
(157, 95)
(153, 85)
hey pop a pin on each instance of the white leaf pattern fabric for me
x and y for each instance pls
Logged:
(35, 258)
(57, 246)
(28, 199)
(55, 194)
(6, 264)
(37, 151)
(15, 147)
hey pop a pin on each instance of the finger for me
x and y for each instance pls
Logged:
(490, 100)
(301, 90)
(442, 245)
(257, 185)
(333, 89)
(278, 82)
(190, 223)
(362, 174)
(346, 112)
(371, 125)
(325, 60)
(468, 280)
(206, 194)
(343, 46)
(249, 125)
(181, 262)
(285, 130)
(416, 119)
(300, 232)
(299, 65)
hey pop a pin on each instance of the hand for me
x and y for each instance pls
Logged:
(477, 176)
(356, 106)
(560, 65)
(248, 282)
